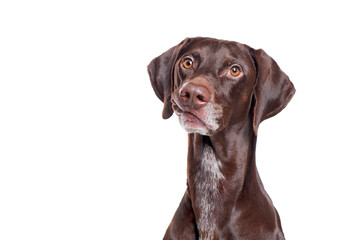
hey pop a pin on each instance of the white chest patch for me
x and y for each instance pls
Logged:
(207, 182)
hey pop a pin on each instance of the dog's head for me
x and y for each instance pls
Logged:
(211, 84)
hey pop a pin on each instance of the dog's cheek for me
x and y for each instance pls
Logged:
(229, 97)
(224, 111)
(239, 110)
(245, 102)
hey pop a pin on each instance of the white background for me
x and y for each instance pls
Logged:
(85, 154)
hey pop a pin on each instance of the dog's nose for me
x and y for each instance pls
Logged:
(194, 95)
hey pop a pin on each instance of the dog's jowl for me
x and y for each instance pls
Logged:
(221, 91)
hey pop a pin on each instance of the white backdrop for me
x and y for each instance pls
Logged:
(85, 154)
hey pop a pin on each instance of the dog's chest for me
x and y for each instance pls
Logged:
(207, 182)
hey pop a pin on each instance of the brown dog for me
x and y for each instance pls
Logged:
(221, 92)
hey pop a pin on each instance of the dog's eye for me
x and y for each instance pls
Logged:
(235, 71)
(187, 63)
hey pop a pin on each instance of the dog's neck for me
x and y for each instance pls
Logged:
(221, 172)
(233, 148)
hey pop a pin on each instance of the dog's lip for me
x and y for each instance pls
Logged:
(191, 117)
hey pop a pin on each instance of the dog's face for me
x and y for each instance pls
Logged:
(210, 84)
(213, 82)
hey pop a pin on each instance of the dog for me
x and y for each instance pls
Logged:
(221, 91)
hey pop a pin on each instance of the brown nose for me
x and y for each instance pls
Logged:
(194, 95)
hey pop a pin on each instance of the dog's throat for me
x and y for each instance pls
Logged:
(207, 182)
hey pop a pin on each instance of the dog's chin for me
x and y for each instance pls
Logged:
(194, 125)
(193, 129)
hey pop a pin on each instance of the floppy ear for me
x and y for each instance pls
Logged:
(272, 91)
(161, 74)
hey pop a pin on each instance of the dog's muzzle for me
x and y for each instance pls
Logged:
(194, 105)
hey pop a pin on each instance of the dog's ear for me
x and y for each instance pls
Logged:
(272, 90)
(161, 74)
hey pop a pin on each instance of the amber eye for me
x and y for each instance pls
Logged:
(235, 71)
(187, 63)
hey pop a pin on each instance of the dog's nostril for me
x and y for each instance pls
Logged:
(184, 95)
(203, 96)
(200, 98)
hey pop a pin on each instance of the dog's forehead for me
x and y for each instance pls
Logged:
(217, 51)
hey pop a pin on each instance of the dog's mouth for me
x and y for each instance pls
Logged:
(188, 117)
(194, 121)
(191, 120)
